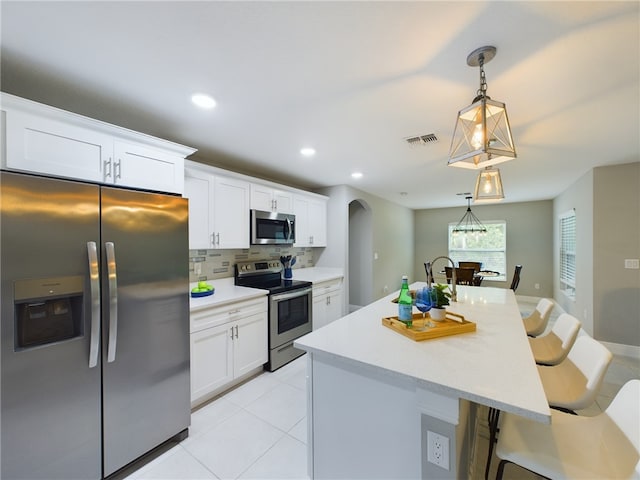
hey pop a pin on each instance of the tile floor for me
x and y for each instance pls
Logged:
(259, 431)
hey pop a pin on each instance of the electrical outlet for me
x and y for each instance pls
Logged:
(438, 449)
(197, 268)
(536, 286)
(632, 263)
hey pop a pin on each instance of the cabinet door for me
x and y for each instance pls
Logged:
(143, 167)
(334, 307)
(199, 189)
(283, 201)
(231, 213)
(301, 211)
(317, 222)
(262, 198)
(319, 318)
(250, 344)
(211, 360)
(42, 145)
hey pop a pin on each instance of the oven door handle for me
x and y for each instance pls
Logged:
(279, 297)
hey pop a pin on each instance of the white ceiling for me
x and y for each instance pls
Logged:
(351, 79)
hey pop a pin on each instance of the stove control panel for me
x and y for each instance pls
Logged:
(259, 267)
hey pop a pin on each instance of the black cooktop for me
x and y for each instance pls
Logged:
(267, 275)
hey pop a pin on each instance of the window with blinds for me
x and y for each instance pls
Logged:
(490, 248)
(568, 253)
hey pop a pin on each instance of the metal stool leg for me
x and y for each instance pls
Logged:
(492, 420)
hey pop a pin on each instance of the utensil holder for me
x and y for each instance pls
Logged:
(288, 274)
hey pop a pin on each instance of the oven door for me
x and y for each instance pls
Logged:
(289, 316)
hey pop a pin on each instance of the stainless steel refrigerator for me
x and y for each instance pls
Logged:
(95, 326)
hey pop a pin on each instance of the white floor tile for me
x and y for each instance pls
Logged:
(299, 430)
(282, 407)
(253, 389)
(287, 459)
(209, 416)
(178, 465)
(231, 447)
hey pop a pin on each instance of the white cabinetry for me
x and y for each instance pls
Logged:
(269, 199)
(227, 343)
(311, 221)
(43, 139)
(218, 210)
(327, 302)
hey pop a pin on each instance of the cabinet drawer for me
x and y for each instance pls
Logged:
(329, 286)
(226, 313)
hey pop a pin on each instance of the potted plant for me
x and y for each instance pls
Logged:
(440, 298)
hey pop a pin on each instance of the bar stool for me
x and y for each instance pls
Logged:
(536, 323)
(603, 446)
(552, 348)
(574, 383)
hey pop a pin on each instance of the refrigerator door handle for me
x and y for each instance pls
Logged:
(113, 300)
(94, 284)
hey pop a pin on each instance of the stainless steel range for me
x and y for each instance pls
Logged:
(290, 305)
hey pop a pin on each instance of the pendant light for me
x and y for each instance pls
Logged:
(488, 186)
(482, 136)
(469, 223)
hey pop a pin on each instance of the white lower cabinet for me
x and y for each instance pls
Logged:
(327, 302)
(227, 344)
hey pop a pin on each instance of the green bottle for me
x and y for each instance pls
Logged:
(405, 303)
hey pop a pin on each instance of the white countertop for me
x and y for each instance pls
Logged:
(225, 292)
(492, 366)
(317, 274)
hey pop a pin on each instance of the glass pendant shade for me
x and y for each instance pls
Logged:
(482, 136)
(488, 186)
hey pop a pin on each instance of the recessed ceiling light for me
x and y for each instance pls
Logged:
(308, 151)
(203, 101)
(356, 175)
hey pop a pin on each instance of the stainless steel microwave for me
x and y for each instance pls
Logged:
(268, 228)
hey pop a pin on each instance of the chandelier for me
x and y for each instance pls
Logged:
(482, 136)
(469, 223)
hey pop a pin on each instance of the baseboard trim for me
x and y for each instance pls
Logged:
(631, 351)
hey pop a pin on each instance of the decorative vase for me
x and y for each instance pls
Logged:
(438, 313)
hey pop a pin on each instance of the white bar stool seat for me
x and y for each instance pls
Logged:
(536, 323)
(571, 447)
(553, 348)
(574, 383)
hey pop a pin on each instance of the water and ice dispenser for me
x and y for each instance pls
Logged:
(47, 310)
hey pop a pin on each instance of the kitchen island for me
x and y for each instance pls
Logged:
(375, 394)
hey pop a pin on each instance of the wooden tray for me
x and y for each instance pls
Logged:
(453, 324)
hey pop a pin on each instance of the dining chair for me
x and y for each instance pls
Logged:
(516, 278)
(536, 323)
(574, 383)
(606, 445)
(477, 266)
(465, 276)
(553, 348)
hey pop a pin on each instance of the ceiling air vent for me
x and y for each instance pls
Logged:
(421, 139)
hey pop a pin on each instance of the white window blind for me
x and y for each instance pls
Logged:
(568, 253)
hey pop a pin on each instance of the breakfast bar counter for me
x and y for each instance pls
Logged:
(374, 393)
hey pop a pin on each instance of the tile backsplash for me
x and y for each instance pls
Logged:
(216, 264)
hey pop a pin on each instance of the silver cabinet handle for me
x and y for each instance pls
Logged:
(231, 333)
(117, 169)
(94, 286)
(113, 301)
(218, 238)
(107, 173)
(213, 238)
(236, 331)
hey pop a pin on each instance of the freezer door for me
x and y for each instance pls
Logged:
(145, 298)
(50, 393)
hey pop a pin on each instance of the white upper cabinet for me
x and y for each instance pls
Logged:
(218, 210)
(311, 221)
(43, 139)
(269, 199)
